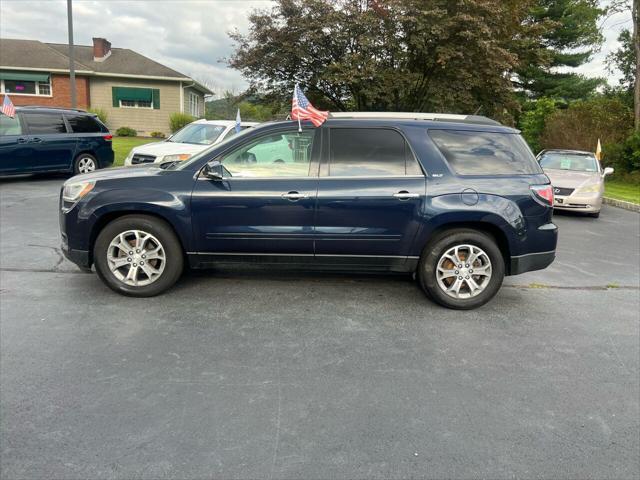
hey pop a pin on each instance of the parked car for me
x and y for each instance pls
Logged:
(186, 142)
(42, 139)
(458, 200)
(577, 179)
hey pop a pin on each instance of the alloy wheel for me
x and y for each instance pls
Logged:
(463, 271)
(86, 165)
(136, 258)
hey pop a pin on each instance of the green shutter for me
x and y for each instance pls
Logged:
(134, 94)
(24, 76)
(156, 98)
(114, 96)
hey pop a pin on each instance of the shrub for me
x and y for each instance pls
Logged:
(179, 120)
(584, 122)
(157, 134)
(623, 156)
(101, 114)
(533, 121)
(126, 132)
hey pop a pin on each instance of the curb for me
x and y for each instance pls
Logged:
(634, 207)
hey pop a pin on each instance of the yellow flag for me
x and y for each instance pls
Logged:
(599, 151)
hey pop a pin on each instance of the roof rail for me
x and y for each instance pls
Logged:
(50, 107)
(439, 117)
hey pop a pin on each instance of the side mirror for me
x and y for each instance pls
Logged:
(213, 170)
(607, 171)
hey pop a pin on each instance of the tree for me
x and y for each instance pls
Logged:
(624, 60)
(408, 55)
(570, 34)
(636, 43)
(534, 119)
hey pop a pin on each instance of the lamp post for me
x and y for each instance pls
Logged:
(72, 63)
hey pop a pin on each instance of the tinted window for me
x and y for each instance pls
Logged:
(569, 161)
(282, 154)
(370, 152)
(43, 123)
(485, 153)
(20, 86)
(83, 124)
(10, 126)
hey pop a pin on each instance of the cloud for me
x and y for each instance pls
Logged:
(190, 36)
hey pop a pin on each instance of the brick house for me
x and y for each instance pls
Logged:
(132, 89)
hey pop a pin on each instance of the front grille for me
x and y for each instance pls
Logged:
(139, 158)
(562, 191)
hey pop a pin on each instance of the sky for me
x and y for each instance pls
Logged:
(190, 36)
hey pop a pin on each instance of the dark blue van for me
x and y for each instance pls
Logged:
(43, 139)
(458, 200)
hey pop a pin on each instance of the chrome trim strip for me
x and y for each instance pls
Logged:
(534, 253)
(302, 255)
(315, 177)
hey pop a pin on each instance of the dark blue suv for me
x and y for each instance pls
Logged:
(458, 200)
(43, 139)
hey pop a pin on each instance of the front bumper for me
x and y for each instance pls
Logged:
(79, 257)
(576, 202)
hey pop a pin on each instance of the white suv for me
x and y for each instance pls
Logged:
(189, 140)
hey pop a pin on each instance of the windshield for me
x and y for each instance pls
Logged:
(569, 161)
(198, 156)
(198, 133)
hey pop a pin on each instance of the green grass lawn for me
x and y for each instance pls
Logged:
(123, 145)
(629, 192)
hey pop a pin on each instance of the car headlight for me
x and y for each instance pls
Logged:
(75, 191)
(593, 188)
(178, 157)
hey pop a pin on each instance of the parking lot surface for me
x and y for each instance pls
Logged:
(257, 374)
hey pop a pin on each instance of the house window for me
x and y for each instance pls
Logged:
(25, 83)
(135, 104)
(194, 107)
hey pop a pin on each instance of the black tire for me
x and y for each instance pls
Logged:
(174, 257)
(78, 163)
(443, 242)
(594, 215)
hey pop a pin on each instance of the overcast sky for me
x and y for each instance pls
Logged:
(189, 35)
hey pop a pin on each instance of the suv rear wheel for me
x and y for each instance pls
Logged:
(138, 255)
(85, 163)
(461, 268)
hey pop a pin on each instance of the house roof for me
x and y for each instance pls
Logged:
(35, 55)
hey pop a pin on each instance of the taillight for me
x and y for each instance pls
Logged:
(543, 193)
(108, 137)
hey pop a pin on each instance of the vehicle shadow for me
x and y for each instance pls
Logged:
(33, 177)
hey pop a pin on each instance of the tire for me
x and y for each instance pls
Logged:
(594, 215)
(85, 163)
(489, 281)
(159, 248)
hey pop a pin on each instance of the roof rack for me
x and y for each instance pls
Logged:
(438, 117)
(50, 107)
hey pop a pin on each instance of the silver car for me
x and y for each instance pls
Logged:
(577, 179)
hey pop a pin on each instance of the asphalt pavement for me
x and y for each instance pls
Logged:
(247, 373)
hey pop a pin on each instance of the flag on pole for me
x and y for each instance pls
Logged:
(301, 109)
(599, 151)
(238, 121)
(7, 107)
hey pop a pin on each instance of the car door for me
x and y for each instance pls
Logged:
(260, 207)
(370, 197)
(14, 148)
(53, 146)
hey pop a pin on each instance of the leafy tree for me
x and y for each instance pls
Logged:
(584, 122)
(534, 119)
(624, 60)
(409, 55)
(570, 34)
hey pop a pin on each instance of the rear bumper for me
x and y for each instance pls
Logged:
(531, 261)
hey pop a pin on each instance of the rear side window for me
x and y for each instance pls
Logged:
(83, 124)
(43, 123)
(485, 153)
(10, 126)
(376, 152)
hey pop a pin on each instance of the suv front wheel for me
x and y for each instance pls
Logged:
(138, 255)
(461, 269)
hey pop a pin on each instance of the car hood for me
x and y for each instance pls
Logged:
(571, 179)
(143, 170)
(160, 149)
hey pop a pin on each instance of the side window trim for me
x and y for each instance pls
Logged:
(325, 159)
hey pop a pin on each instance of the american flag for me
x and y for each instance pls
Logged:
(7, 107)
(301, 109)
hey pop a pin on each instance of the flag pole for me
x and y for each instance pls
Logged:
(299, 125)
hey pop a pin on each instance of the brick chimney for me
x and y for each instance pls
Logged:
(101, 49)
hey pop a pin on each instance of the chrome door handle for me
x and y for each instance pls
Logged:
(22, 140)
(404, 195)
(293, 196)
(36, 140)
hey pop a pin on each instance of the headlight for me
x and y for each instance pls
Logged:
(75, 191)
(593, 188)
(178, 157)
